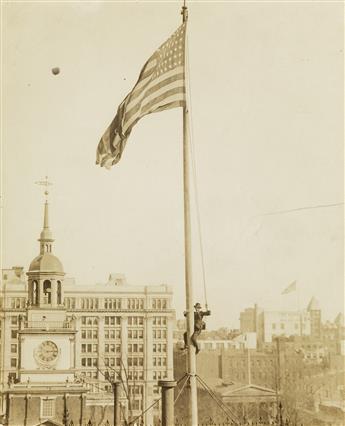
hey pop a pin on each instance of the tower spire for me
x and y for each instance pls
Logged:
(46, 238)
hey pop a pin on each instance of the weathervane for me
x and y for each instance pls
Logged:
(45, 183)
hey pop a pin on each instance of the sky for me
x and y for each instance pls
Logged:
(267, 124)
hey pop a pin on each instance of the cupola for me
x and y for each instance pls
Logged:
(45, 275)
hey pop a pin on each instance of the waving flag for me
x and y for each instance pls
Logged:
(161, 85)
(290, 288)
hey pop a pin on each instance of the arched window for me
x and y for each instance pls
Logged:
(35, 293)
(47, 290)
(59, 293)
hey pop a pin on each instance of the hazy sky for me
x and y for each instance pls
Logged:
(267, 115)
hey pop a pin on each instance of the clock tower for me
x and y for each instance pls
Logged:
(47, 336)
(46, 386)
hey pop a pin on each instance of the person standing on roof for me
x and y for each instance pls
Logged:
(199, 325)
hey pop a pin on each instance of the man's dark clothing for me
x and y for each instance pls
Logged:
(199, 325)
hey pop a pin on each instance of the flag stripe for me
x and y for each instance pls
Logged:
(177, 92)
(143, 82)
(141, 109)
(173, 103)
(148, 67)
(165, 83)
(177, 71)
(151, 92)
(166, 95)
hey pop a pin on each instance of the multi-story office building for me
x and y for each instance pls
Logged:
(270, 324)
(282, 323)
(62, 344)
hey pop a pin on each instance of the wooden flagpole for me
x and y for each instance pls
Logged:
(191, 364)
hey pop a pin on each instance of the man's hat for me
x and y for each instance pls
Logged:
(197, 305)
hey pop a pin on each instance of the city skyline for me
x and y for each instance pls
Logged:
(129, 220)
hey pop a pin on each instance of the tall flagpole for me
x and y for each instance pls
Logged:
(191, 365)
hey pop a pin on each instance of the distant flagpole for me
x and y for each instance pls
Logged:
(294, 288)
(191, 364)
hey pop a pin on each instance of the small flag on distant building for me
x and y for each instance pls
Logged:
(290, 288)
(161, 85)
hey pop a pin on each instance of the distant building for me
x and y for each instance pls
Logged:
(333, 335)
(315, 318)
(216, 345)
(249, 319)
(269, 324)
(250, 403)
(282, 323)
(249, 367)
(62, 344)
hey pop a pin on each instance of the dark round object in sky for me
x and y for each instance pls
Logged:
(56, 70)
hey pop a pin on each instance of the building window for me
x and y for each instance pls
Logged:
(135, 334)
(112, 303)
(14, 320)
(135, 304)
(12, 377)
(112, 320)
(14, 348)
(70, 302)
(135, 320)
(282, 326)
(136, 404)
(159, 321)
(14, 334)
(47, 407)
(273, 326)
(89, 362)
(13, 362)
(159, 303)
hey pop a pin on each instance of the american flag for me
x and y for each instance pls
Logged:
(290, 288)
(161, 85)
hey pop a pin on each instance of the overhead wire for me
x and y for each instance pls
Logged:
(192, 152)
(182, 388)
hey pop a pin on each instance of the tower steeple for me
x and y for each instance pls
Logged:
(46, 271)
(46, 237)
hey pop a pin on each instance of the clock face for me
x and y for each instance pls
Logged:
(47, 351)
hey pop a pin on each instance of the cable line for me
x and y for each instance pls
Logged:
(183, 386)
(192, 152)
